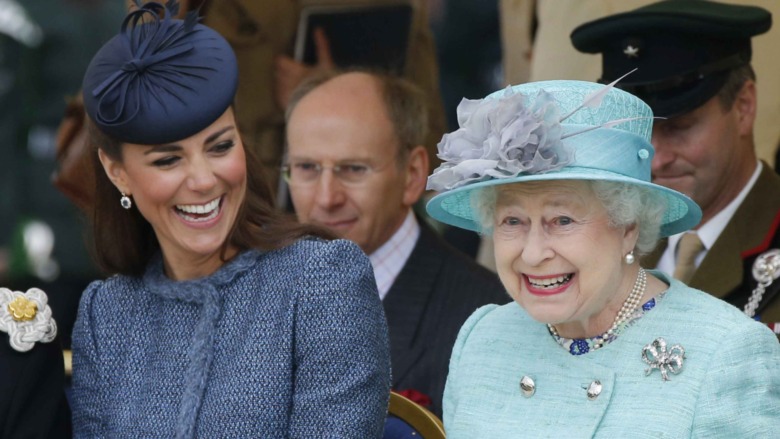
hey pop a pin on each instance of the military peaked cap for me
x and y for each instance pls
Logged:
(683, 50)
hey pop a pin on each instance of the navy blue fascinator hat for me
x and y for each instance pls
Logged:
(160, 79)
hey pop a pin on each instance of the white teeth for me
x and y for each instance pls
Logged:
(211, 208)
(548, 282)
(200, 220)
(199, 208)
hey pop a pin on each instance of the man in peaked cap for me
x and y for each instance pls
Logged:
(692, 61)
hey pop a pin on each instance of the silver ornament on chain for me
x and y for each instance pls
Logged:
(766, 269)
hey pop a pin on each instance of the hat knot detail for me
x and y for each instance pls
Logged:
(136, 65)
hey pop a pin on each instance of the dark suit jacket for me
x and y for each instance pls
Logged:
(32, 392)
(433, 295)
(726, 271)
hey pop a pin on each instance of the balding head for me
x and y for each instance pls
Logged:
(350, 168)
(404, 102)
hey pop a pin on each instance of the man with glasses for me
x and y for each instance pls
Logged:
(356, 164)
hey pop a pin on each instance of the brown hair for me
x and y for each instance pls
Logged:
(124, 241)
(404, 103)
(736, 79)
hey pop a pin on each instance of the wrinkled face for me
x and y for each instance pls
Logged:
(190, 191)
(332, 126)
(556, 253)
(699, 154)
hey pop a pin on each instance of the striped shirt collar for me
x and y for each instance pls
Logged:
(390, 258)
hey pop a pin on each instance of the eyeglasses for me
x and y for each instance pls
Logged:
(305, 173)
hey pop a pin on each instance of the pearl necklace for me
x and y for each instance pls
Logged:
(626, 311)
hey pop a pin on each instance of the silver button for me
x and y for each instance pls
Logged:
(594, 390)
(527, 386)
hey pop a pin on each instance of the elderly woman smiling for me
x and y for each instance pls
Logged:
(559, 173)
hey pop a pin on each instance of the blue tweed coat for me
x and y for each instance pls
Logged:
(290, 343)
(729, 385)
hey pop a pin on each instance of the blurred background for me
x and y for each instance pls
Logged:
(45, 45)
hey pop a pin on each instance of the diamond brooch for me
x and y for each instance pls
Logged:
(658, 357)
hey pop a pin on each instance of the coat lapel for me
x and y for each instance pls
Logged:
(407, 303)
(722, 271)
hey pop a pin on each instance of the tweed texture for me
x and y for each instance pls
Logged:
(290, 343)
(729, 385)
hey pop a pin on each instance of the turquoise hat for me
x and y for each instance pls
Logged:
(549, 130)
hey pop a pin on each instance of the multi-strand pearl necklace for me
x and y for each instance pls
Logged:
(626, 311)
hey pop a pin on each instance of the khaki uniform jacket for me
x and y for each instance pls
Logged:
(726, 271)
(260, 30)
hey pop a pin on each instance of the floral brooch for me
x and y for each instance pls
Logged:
(26, 317)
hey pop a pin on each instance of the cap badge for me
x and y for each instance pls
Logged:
(631, 51)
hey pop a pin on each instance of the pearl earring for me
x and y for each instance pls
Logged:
(630, 258)
(125, 201)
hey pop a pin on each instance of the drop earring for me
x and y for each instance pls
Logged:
(125, 201)
(630, 258)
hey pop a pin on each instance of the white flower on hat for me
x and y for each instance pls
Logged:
(504, 137)
(26, 317)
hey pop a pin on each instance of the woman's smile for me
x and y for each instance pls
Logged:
(200, 215)
(547, 285)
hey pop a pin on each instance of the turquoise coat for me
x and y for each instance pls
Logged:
(728, 386)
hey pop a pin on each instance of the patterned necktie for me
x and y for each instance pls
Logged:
(688, 248)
